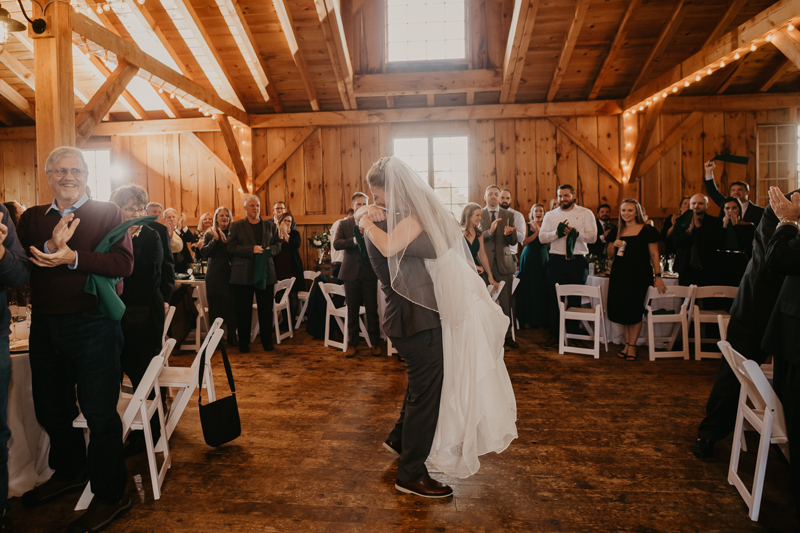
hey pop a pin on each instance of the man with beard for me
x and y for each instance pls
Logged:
(604, 227)
(697, 238)
(569, 229)
(519, 221)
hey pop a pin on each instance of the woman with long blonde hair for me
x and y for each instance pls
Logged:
(218, 271)
(532, 308)
(470, 226)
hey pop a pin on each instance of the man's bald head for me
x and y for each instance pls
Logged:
(698, 203)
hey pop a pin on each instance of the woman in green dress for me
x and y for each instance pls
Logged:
(470, 226)
(531, 295)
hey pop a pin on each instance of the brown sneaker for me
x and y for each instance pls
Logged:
(376, 350)
(351, 352)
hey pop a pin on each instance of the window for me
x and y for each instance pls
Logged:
(99, 181)
(444, 162)
(777, 160)
(424, 30)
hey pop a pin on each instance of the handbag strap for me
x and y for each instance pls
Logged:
(228, 371)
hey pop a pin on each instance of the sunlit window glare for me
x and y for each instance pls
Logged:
(420, 30)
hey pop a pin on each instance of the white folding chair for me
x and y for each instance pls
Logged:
(679, 321)
(340, 315)
(136, 412)
(764, 412)
(514, 321)
(185, 379)
(495, 293)
(286, 286)
(586, 315)
(702, 316)
(302, 296)
(167, 322)
(722, 322)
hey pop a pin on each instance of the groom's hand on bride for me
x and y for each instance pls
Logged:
(375, 213)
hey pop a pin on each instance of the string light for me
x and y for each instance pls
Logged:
(674, 89)
(769, 38)
(722, 64)
(686, 83)
(628, 145)
(626, 113)
(736, 55)
(633, 111)
(629, 128)
(172, 95)
(641, 108)
(697, 78)
(753, 47)
(655, 98)
(790, 27)
(709, 71)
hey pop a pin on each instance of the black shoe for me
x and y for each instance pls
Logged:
(511, 343)
(393, 447)
(99, 515)
(244, 348)
(268, 347)
(703, 448)
(53, 488)
(427, 488)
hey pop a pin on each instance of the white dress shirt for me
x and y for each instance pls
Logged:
(519, 223)
(337, 256)
(578, 218)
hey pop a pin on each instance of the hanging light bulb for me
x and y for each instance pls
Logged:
(709, 71)
(106, 7)
(697, 78)
(628, 145)
(140, 2)
(686, 83)
(99, 10)
(790, 27)
(664, 94)
(769, 38)
(736, 55)
(641, 108)
(634, 111)
(753, 47)
(160, 90)
(722, 64)
(626, 113)
(647, 102)
(655, 98)
(629, 128)
(674, 89)
(172, 95)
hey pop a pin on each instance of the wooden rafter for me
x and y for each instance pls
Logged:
(332, 28)
(102, 101)
(591, 150)
(442, 82)
(519, 38)
(7, 119)
(232, 143)
(249, 43)
(26, 75)
(128, 99)
(777, 75)
(774, 16)
(664, 39)
(278, 161)
(671, 139)
(731, 103)
(788, 46)
(157, 127)
(726, 20)
(204, 152)
(646, 129)
(210, 51)
(16, 99)
(619, 39)
(14, 65)
(134, 55)
(724, 82)
(287, 25)
(569, 45)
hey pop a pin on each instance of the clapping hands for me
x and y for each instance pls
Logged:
(785, 209)
(60, 253)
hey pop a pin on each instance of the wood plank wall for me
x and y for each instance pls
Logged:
(528, 156)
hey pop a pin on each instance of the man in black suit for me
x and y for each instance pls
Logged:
(782, 336)
(750, 212)
(696, 244)
(750, 315)
(604, 227)
(168, 263)
(360, 282)
(249, 239)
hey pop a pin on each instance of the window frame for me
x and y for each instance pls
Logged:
(761, 197)
(427, 64)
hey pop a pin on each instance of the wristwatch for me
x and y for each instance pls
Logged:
(658, 275)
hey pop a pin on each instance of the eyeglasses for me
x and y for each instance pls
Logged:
(134, 211)
(61, 172)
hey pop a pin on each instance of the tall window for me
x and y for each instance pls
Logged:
(422, 30)
(99, 181)
(443, 161)
(778, 146)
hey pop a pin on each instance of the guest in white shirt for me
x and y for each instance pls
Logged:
(519, 220)
(560, 268)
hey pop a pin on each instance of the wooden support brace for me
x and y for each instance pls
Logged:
(672, 138)
(204, 152)
(519, 38)
(233, 149)
(584, 144)
(278, 161)
(102, 101)
(569, 46)
(16, 99)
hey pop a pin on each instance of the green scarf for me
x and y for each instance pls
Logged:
(262, 262)
(572, 238)
(103, 287)
(683, 221)
(362, 246)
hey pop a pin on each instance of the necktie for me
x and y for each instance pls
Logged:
(494, 215)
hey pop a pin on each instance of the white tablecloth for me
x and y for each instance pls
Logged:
(202, 323)
(29, 446)
(616, 331)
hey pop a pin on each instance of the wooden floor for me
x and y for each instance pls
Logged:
(604, 445)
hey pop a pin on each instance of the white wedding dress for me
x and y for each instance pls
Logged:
(478, 412)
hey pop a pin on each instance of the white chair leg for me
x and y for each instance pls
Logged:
(302, 313)
(327, 327)
(275, 317)
(761, 466)
(685, 333)
(364, 332)
(254, 327)
(562, 333)
(345, 344)
(151, 455)
(86, 498)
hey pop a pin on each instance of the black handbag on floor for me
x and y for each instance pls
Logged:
(219, 419)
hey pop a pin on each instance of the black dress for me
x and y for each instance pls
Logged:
(474, 248)
(218, 277)
(631, 277)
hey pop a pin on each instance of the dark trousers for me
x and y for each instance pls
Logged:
(787, 387)
(80, 349)
(564, 272)
(5, 432)
(357, 293)
(416, 426)
(723, 402)
(243, 301)
(505, 295)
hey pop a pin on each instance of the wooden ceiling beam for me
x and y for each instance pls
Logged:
(569, 46)
(475, 112)
(287, 25)
(726, 20)
(664, 39)
(619, 39)
(16, 99)
(777, 75)
(788, 46)
(519, 38)
(18, 133)
(8, 119)
(724, 82)
(331, 22)
(269, 90)
(134, 55)
(413, 83)
(232, 143)
(157, 127)
(204, 152)
(14, 65)
(278, 161)
(102, 101)
(589, 149)
(731, 103)
(211, 52)
(754, 29)
(128, 99)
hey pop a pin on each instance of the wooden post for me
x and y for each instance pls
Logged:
(55, 94)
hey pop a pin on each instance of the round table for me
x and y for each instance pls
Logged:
(616, 332)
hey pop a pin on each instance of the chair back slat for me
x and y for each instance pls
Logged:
(715, 291)
(329, 289)
(149, 382)
(587, 291)
(762, 392)
(286, 286)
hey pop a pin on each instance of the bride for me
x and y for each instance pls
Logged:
(477, 408)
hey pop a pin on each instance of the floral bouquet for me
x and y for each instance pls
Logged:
(321, 240)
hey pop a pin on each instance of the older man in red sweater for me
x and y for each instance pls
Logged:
(73, 343)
